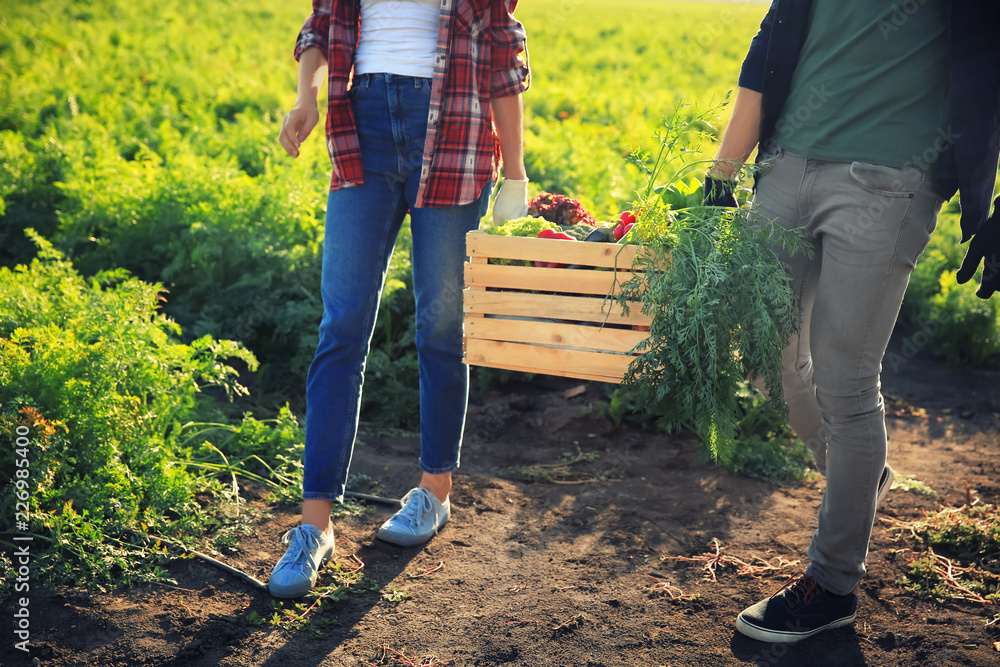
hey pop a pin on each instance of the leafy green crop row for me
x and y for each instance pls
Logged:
(105, 396)
(140, 136)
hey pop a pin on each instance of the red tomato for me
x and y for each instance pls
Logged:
(552, 234)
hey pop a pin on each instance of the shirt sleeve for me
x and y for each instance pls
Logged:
(753, 71)
(508, 51)
(316, 30)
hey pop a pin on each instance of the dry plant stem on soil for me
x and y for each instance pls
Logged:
(947, 570)
(356, 564)
(570, 622)
(755, 569)
(389, 657)
(668, 589)
(557, 473)
(319, 600)
(912, 526)
(428, 571)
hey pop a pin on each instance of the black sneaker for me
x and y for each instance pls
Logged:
(800, 609)
(884, 484)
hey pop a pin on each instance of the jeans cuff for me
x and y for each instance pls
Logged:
(438, 471)
(330, 497)
(823, 580)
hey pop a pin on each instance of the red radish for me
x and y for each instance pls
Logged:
(627, 218)
(552, 234)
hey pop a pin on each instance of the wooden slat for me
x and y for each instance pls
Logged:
(600, 339)
(573, 308)
(575, 281)
(550, 361)
(476, 261)
(610, 255)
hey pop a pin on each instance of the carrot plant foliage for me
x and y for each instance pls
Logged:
(96, 382)
(721, 300)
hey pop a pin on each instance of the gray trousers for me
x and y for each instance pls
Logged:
(867, 225)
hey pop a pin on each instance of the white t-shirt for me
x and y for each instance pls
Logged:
(398, 37)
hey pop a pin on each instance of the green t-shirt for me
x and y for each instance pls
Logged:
(870, 85)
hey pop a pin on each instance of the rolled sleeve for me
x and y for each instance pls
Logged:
(316, 30)
(511, 74)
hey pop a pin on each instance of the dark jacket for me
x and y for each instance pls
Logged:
(970, 167)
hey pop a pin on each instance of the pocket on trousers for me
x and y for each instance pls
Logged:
(886, 181)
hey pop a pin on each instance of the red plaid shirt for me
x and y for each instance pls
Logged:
(481, 54)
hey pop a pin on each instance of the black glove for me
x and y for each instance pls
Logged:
(985, 247)
(719, 192)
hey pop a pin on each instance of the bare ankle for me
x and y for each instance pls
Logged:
(439, 485)
(317, 513)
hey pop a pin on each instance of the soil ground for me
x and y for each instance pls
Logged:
(521, 557)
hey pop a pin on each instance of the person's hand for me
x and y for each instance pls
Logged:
(719, 192)
(511, 201)
(985, 248)
(296, 126)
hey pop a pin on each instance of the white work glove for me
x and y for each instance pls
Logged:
(511, 201)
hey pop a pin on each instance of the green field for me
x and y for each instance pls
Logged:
(144, 138)
(605, 75)
(139, 139)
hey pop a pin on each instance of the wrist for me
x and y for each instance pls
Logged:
(514, 172)
(722, 170)
(307, 98)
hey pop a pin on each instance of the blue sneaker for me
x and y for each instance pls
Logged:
(800, 609)
(309, 548)
(419, 520)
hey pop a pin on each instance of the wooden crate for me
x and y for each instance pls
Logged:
(551, 321)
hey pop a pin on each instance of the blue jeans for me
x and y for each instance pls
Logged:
(867, 225)
(362, 224)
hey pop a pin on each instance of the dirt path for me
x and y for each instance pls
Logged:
(522, 558)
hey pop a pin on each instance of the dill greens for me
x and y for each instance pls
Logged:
(721, 301)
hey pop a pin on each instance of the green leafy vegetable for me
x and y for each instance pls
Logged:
(720, 299)
(526, 226)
